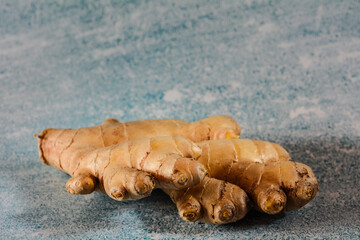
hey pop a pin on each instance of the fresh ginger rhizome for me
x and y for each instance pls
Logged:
(209, 173)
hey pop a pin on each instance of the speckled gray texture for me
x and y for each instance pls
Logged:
(289, 72)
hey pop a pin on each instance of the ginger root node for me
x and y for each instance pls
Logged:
(118, 194)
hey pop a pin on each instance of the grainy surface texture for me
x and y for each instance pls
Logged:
(288, 72)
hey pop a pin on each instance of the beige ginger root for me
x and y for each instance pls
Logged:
(262, 169)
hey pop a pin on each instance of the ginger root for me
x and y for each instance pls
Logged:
(128, 160)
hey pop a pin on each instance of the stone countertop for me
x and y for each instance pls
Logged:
(287, 72)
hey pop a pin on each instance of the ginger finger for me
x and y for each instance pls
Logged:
(211, 201)
(216, 127)
(299, 183)
(81, 184)
(262, 184)
(188, 206)
(268, 194)
(269, 198)
(263, 170)
(178, 173)
(285, 185)
(127, 183)
(110, 121)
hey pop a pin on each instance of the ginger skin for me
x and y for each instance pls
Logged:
(108, 158)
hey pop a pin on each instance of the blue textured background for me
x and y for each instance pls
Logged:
(289, 72)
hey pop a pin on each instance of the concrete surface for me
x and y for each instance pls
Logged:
(288, 72)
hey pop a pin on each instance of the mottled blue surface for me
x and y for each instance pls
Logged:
(289, 72)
